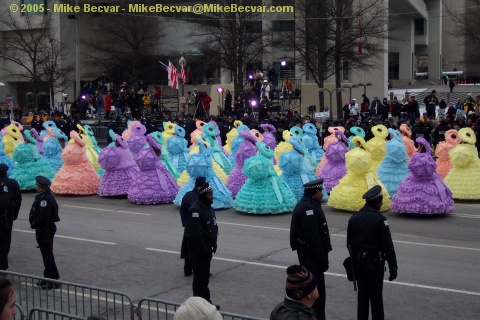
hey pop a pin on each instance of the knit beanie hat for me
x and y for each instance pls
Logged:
(196, 308)
(300, 282)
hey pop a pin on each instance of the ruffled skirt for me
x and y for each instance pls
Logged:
(153, 187)
(117, 182)
(423, 196)
(77, 179)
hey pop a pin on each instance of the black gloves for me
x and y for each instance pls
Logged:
(393, 275)
(214, 249)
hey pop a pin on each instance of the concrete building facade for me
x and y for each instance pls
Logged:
(419, 40)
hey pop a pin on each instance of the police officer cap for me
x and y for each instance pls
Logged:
(204, 189)
(373, 194)
(3, 168)
(315, 184)
(43, 181)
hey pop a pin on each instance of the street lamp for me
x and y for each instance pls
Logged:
(348, 86)
(330, 93)
(182, 62)
(220, 92)
(368, 84)
(2, 85)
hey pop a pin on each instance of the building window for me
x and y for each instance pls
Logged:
(283, 25)
(420, 27)
(393, 65)
(32, 6)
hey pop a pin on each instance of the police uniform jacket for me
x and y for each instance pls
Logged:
(368, 232)
(202, 230)
(292, 310)
(44, 214)
(309, 230)
(188, 199)
(13, 195)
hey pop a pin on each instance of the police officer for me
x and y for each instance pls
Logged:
(369, 238)
(43, 215)
(202, 231)
(10, 202)
(310, 237)
(188, 199)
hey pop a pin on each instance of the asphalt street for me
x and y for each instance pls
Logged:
(111, 243)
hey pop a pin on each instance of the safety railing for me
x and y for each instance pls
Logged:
(156, 309)
(21, 315)
(45, 314)
(71, 298)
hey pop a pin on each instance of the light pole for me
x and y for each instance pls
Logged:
(2, 102)
(347, 86)
(330, 93)
(220, 92)
(182, 62)
(368, 84)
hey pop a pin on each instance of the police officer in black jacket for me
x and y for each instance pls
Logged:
(10, 202)
(202, 231)
(188, 199)
(310, 237)
(43, 215)
(369, 238)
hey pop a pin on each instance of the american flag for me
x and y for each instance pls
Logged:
(172, 76)
(183, 76)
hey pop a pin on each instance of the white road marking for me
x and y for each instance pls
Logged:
(108, 210)
(472, 293)
(71, 238)
(344, 236)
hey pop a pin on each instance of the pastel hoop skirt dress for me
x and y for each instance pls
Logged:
(120, 169)
(442, 152)
(200, 165)
(394, 167)
(264, 192)
(247, 149)
(335, 168)
(77, 176)
(463, 179)
(423, 191)
(360, 177)
(154, 183)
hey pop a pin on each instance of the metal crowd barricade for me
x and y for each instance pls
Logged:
(45, 314)
(20, 313)
(72, 298)
(156, 309)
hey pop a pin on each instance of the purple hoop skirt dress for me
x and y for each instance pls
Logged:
(154, 183)
(423, 191)
(120, 171)
(335, 168)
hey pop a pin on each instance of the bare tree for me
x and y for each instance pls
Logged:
(51, 69)
(25, 38)
(333, 35)
(125, 44)
(233, 40)
(466, 27)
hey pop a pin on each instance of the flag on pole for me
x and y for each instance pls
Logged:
(164, 66)
(172, 75)
(183, 76)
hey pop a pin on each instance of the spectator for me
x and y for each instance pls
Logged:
(396, 109)
(206, 99)
(108, 105)
(431, 102)
(196, 308)
(300, 295)
(451, 84)
(7, 299)
(228, 103)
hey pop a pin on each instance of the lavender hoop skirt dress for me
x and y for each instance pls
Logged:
(423, 191)
(335, 168)
(154, 183)
(120, 171)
